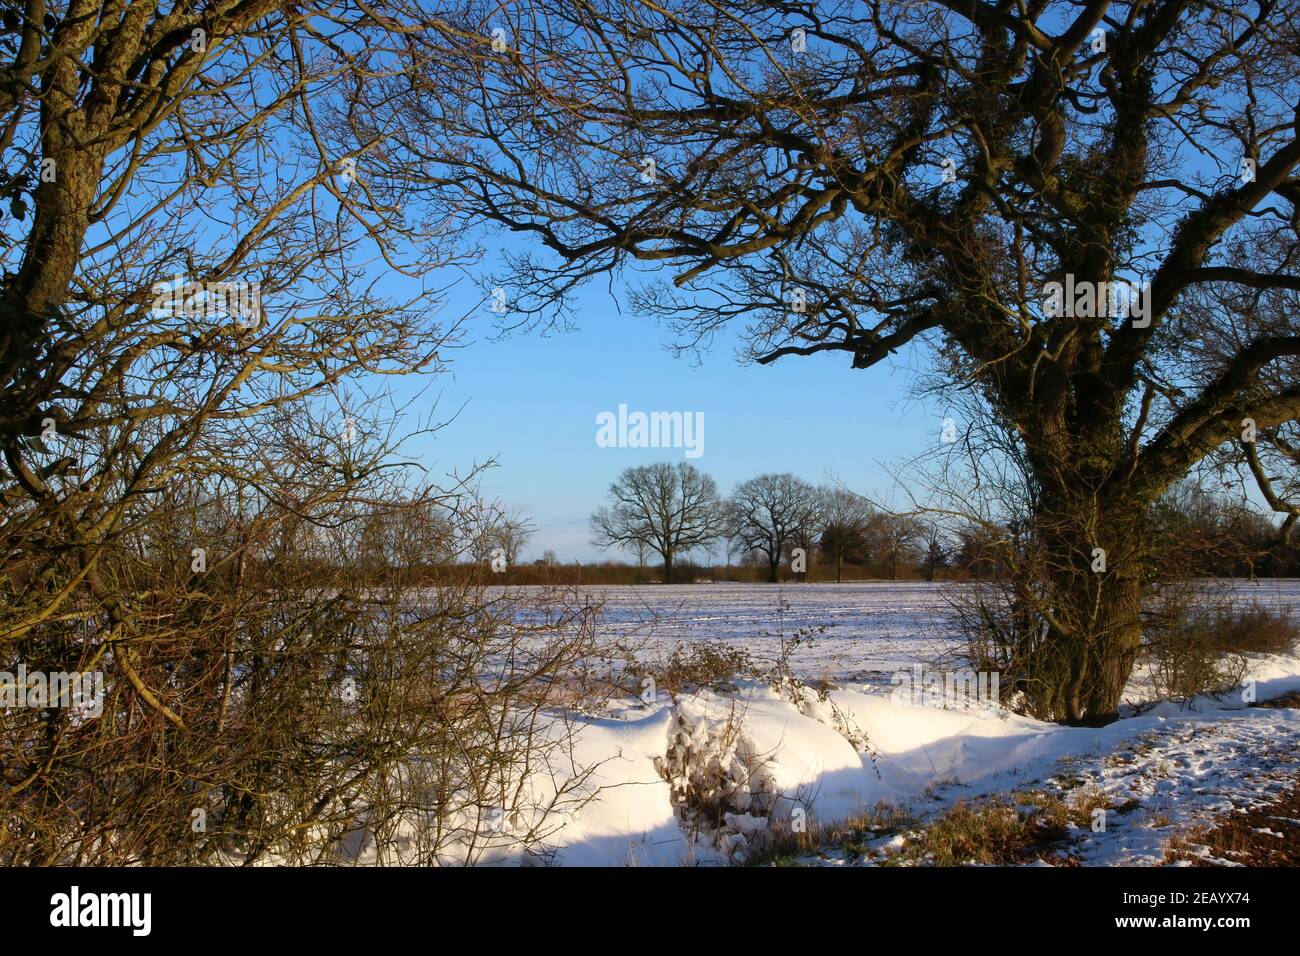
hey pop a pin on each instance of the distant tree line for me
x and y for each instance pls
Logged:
(775, 527)
(785, 526)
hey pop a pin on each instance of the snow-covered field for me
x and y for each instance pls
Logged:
(696, 778)
(849, 630)
(858, 630)
(774, 757)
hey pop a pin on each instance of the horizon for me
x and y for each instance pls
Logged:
(532, 399)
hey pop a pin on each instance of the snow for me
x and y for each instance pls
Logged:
(860, 631)
(856, 628)
(697, 778)
(1173, 770)
(1170, 767)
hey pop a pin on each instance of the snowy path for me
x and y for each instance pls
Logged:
(1172, 775)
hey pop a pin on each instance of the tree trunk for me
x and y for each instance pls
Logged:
(1079, 598)
(1089, 663)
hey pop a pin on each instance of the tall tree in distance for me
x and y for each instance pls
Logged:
(846, 518)
(669, 509)
(498, 533)
(895, 539)
(772, 513)
(936, 550)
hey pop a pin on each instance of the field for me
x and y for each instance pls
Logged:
(713, 777)
(857, 631)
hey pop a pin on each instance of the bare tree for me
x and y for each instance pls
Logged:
(895, 537)
(772, 513)
(196, 454)
(858, 179)
(845, 519)
(936, 550)
(498, 532)
(670, 509)
(405, 533)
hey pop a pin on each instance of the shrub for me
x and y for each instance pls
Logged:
(720, 786)
(1193, 647)
(712, 665)
(1256, 629)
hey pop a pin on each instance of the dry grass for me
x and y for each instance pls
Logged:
(786, 848)
(990, 834)
(1267, 835)
(1257, 629)
(1032, 825)
(714, 665)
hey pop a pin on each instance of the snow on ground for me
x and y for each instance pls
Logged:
(859, 630)
(696, 779)
(855, 628)
(765, 756)
(1170, 768)
(1187, 771)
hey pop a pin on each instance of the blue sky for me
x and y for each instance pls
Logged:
(531, 401)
